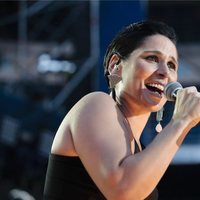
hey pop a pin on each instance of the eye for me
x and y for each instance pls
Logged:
(152, 58)
(171, 65)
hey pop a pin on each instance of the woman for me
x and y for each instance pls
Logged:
(97, 153)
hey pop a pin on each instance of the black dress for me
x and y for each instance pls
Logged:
(67, 179)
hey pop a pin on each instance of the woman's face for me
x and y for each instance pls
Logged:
(147, 70)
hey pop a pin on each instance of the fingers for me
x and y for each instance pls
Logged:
(189, 92)
(188, 103)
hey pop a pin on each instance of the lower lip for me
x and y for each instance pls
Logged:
(156, 94)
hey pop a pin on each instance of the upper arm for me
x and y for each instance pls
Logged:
(100, 138)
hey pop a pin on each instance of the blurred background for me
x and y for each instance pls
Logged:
(51, 54)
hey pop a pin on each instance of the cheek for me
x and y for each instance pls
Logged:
(143, 70)
(173, 77)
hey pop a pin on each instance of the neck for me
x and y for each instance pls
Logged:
(137, 124)
(136, 117)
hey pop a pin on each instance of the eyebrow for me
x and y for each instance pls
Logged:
(160, 53)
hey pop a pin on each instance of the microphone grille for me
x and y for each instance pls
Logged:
(170, 90)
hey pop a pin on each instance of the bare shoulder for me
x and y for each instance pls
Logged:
(93, 111)
(82, 119)
(95, 124)
(98, 97)
(95, 101)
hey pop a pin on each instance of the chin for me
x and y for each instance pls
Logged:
(154, 106)
(157, 107)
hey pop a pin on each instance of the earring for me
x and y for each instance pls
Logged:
(113, 80)
(159, 118)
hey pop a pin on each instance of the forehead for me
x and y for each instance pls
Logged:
(160, 43)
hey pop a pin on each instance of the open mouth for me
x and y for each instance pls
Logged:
(156, 88)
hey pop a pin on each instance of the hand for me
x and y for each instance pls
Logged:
(187, 106)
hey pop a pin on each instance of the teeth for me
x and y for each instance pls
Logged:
(160, 87)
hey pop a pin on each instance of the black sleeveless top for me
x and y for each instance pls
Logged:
(67, 179)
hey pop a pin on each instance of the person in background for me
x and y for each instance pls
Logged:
(97, 153)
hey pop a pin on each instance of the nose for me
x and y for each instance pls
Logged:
(163, 70)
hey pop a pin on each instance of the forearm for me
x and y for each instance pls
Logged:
(143, 171)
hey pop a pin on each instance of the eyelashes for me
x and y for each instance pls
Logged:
(152, 58)
(171, 65)
(156, 59)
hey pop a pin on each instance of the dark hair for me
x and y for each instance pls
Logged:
(132, 36)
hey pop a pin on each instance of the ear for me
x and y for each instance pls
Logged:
(113, 65)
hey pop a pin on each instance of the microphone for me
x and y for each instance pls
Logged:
(171, 89)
